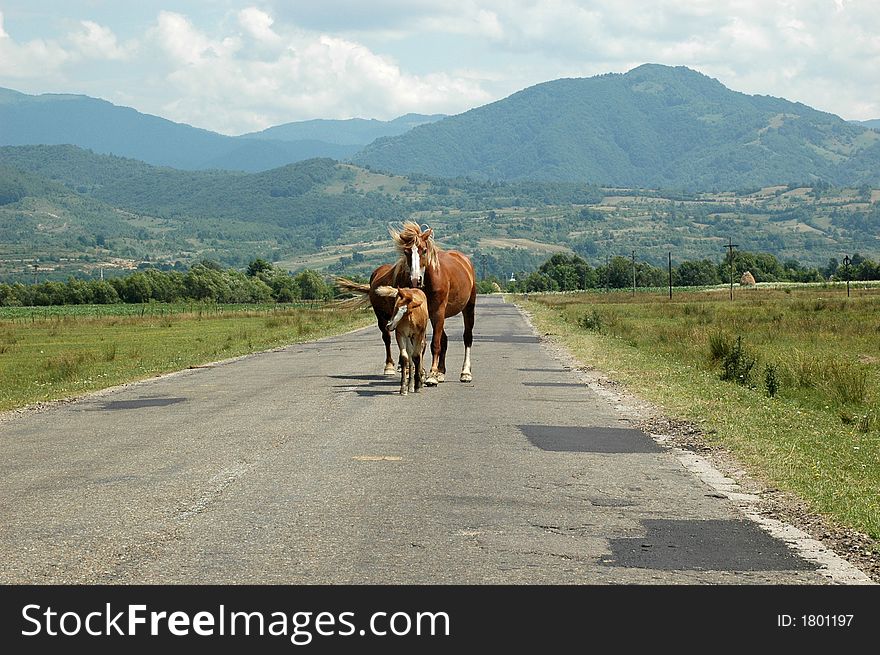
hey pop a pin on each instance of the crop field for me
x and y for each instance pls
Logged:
(70, 350)
(148, 310)
(787, 379)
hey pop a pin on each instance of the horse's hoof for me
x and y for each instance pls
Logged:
(403, 393)
(467, 377)
(390, 370)
(431, 381)
(441, 377)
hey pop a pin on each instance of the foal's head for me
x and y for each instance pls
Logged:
(406, 301)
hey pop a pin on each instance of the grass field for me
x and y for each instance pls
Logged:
(788, 380)
(66, 351)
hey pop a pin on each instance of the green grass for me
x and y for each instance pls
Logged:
(68, 354)
(810, 425)
(202, 309)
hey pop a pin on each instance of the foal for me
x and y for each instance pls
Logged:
(409, 322)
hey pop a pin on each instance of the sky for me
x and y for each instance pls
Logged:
(240, 66)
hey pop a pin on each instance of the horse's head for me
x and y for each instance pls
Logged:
(406, 300)
(417, 257)
(417, 250)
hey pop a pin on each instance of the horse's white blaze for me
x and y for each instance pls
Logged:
(415, 268)
(392, 324)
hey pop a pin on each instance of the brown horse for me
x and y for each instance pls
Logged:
(449, 282)
(383, 306)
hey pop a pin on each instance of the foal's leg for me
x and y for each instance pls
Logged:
(468, 315)
(404, 364)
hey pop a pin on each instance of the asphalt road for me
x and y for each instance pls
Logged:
(304, 466)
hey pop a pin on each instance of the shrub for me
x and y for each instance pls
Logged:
(591, 321)
(720, 345)
(737, 365)
(771, 380)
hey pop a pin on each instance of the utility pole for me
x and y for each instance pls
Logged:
(36, 268)
(606, 273)
(670, 275)
(846, 261)
(634, 272)
(730, 246)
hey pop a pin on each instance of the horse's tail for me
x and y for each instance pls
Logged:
(357, 302)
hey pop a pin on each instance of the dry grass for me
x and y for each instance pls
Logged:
(810, 425)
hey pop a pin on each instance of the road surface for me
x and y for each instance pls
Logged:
(304, 466)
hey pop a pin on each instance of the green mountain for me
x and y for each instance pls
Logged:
(353, 131)
(55, 119)
(653, 127)
(65, 204)
(76, 211)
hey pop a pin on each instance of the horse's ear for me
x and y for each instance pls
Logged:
(428, 234)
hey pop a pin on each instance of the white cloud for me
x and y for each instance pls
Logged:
(241, 66)
(97, 42)
(187, 45)
(32, 59)
(258, 24)
(227, 83)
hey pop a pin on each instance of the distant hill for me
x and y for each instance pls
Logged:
(653, 127)
(874, 123)
(353, 131)
(76, 211)
(98, 125)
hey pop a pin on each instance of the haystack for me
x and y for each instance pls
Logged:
(747, 280)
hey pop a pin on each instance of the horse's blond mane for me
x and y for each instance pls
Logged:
(406, 238)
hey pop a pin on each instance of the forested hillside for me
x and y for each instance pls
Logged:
(653, 127)
(67, 210)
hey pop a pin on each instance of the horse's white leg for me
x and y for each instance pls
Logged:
(468, 316)
(466, 367)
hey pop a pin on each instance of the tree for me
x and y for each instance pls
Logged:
(537, 282)
(312, 286)
(257, 266)
(696, 273)
(618, 273)
(830, 269)
(285, 288)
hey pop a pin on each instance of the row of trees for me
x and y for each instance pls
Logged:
(262, 282)
(563, 272)
(205, 282)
